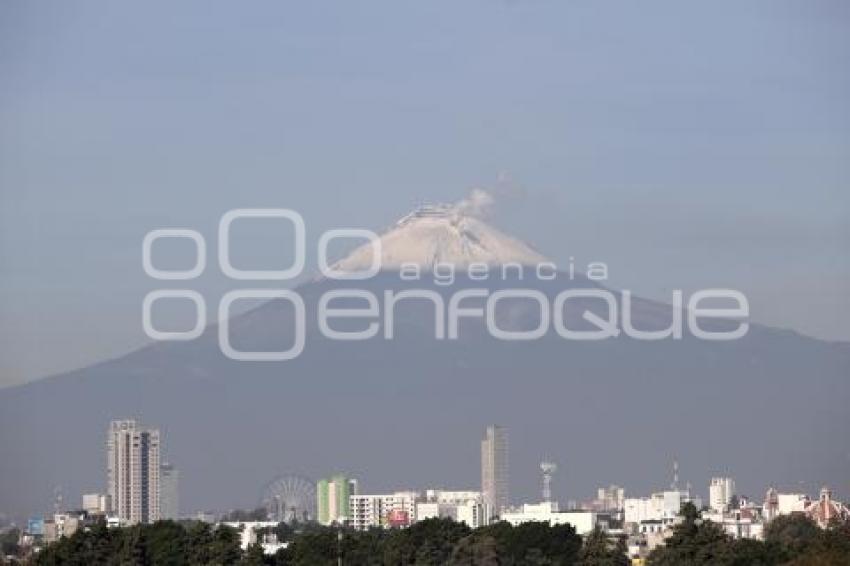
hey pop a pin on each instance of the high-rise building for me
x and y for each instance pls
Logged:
(133, 472)
(169, 495)
(720, 492)
(332, 499)
(494, 469)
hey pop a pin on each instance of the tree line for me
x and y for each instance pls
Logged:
(792, 540)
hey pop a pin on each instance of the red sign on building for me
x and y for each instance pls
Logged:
(398, 518)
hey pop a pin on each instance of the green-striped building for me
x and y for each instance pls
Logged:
(332, 499)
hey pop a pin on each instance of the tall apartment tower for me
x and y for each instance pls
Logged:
(133, 470)
(494, 469)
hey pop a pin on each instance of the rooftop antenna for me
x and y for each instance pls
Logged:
(548, 468)
(675, 485)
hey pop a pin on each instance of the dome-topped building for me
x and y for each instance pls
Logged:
(825, 509)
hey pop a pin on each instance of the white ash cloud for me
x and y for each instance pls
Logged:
(478, 203)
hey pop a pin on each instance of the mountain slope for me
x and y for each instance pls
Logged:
(769, 408)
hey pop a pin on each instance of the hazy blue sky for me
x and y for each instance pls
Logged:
(685, 144)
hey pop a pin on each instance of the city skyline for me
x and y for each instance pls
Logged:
(151, 492)
(158, 486)
(645, 522)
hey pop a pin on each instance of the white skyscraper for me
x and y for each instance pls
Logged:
(133, 472)
(494, 469)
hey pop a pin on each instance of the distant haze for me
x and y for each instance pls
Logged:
(685, 145)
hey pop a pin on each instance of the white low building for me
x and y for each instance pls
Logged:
(114, 522)
(788, 503)
(248, 535)
(62, 525)
(96, 503)
(738, 524)
(547, 512)
(389, 510)
(655, 526)
(776, 504)
(461, 506)
(661, 506)
(446, 496)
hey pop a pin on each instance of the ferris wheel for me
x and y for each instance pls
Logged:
(290, 498)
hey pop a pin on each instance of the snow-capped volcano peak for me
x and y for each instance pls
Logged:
(439, 234)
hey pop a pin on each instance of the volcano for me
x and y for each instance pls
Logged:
(442, 234)
(769, 408)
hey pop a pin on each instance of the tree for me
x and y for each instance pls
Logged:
(315, 548)
(476, 550)
(9, 542)
(535, 542)
(166, 543)
(792, 541)
(198, 540)
(811, 547)
(135, 546)
(364, 547)
(428, 542)
(751, 552)
(599, 550)
(224, 548)
(794, 534)
(253, 556)
(694, 542)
